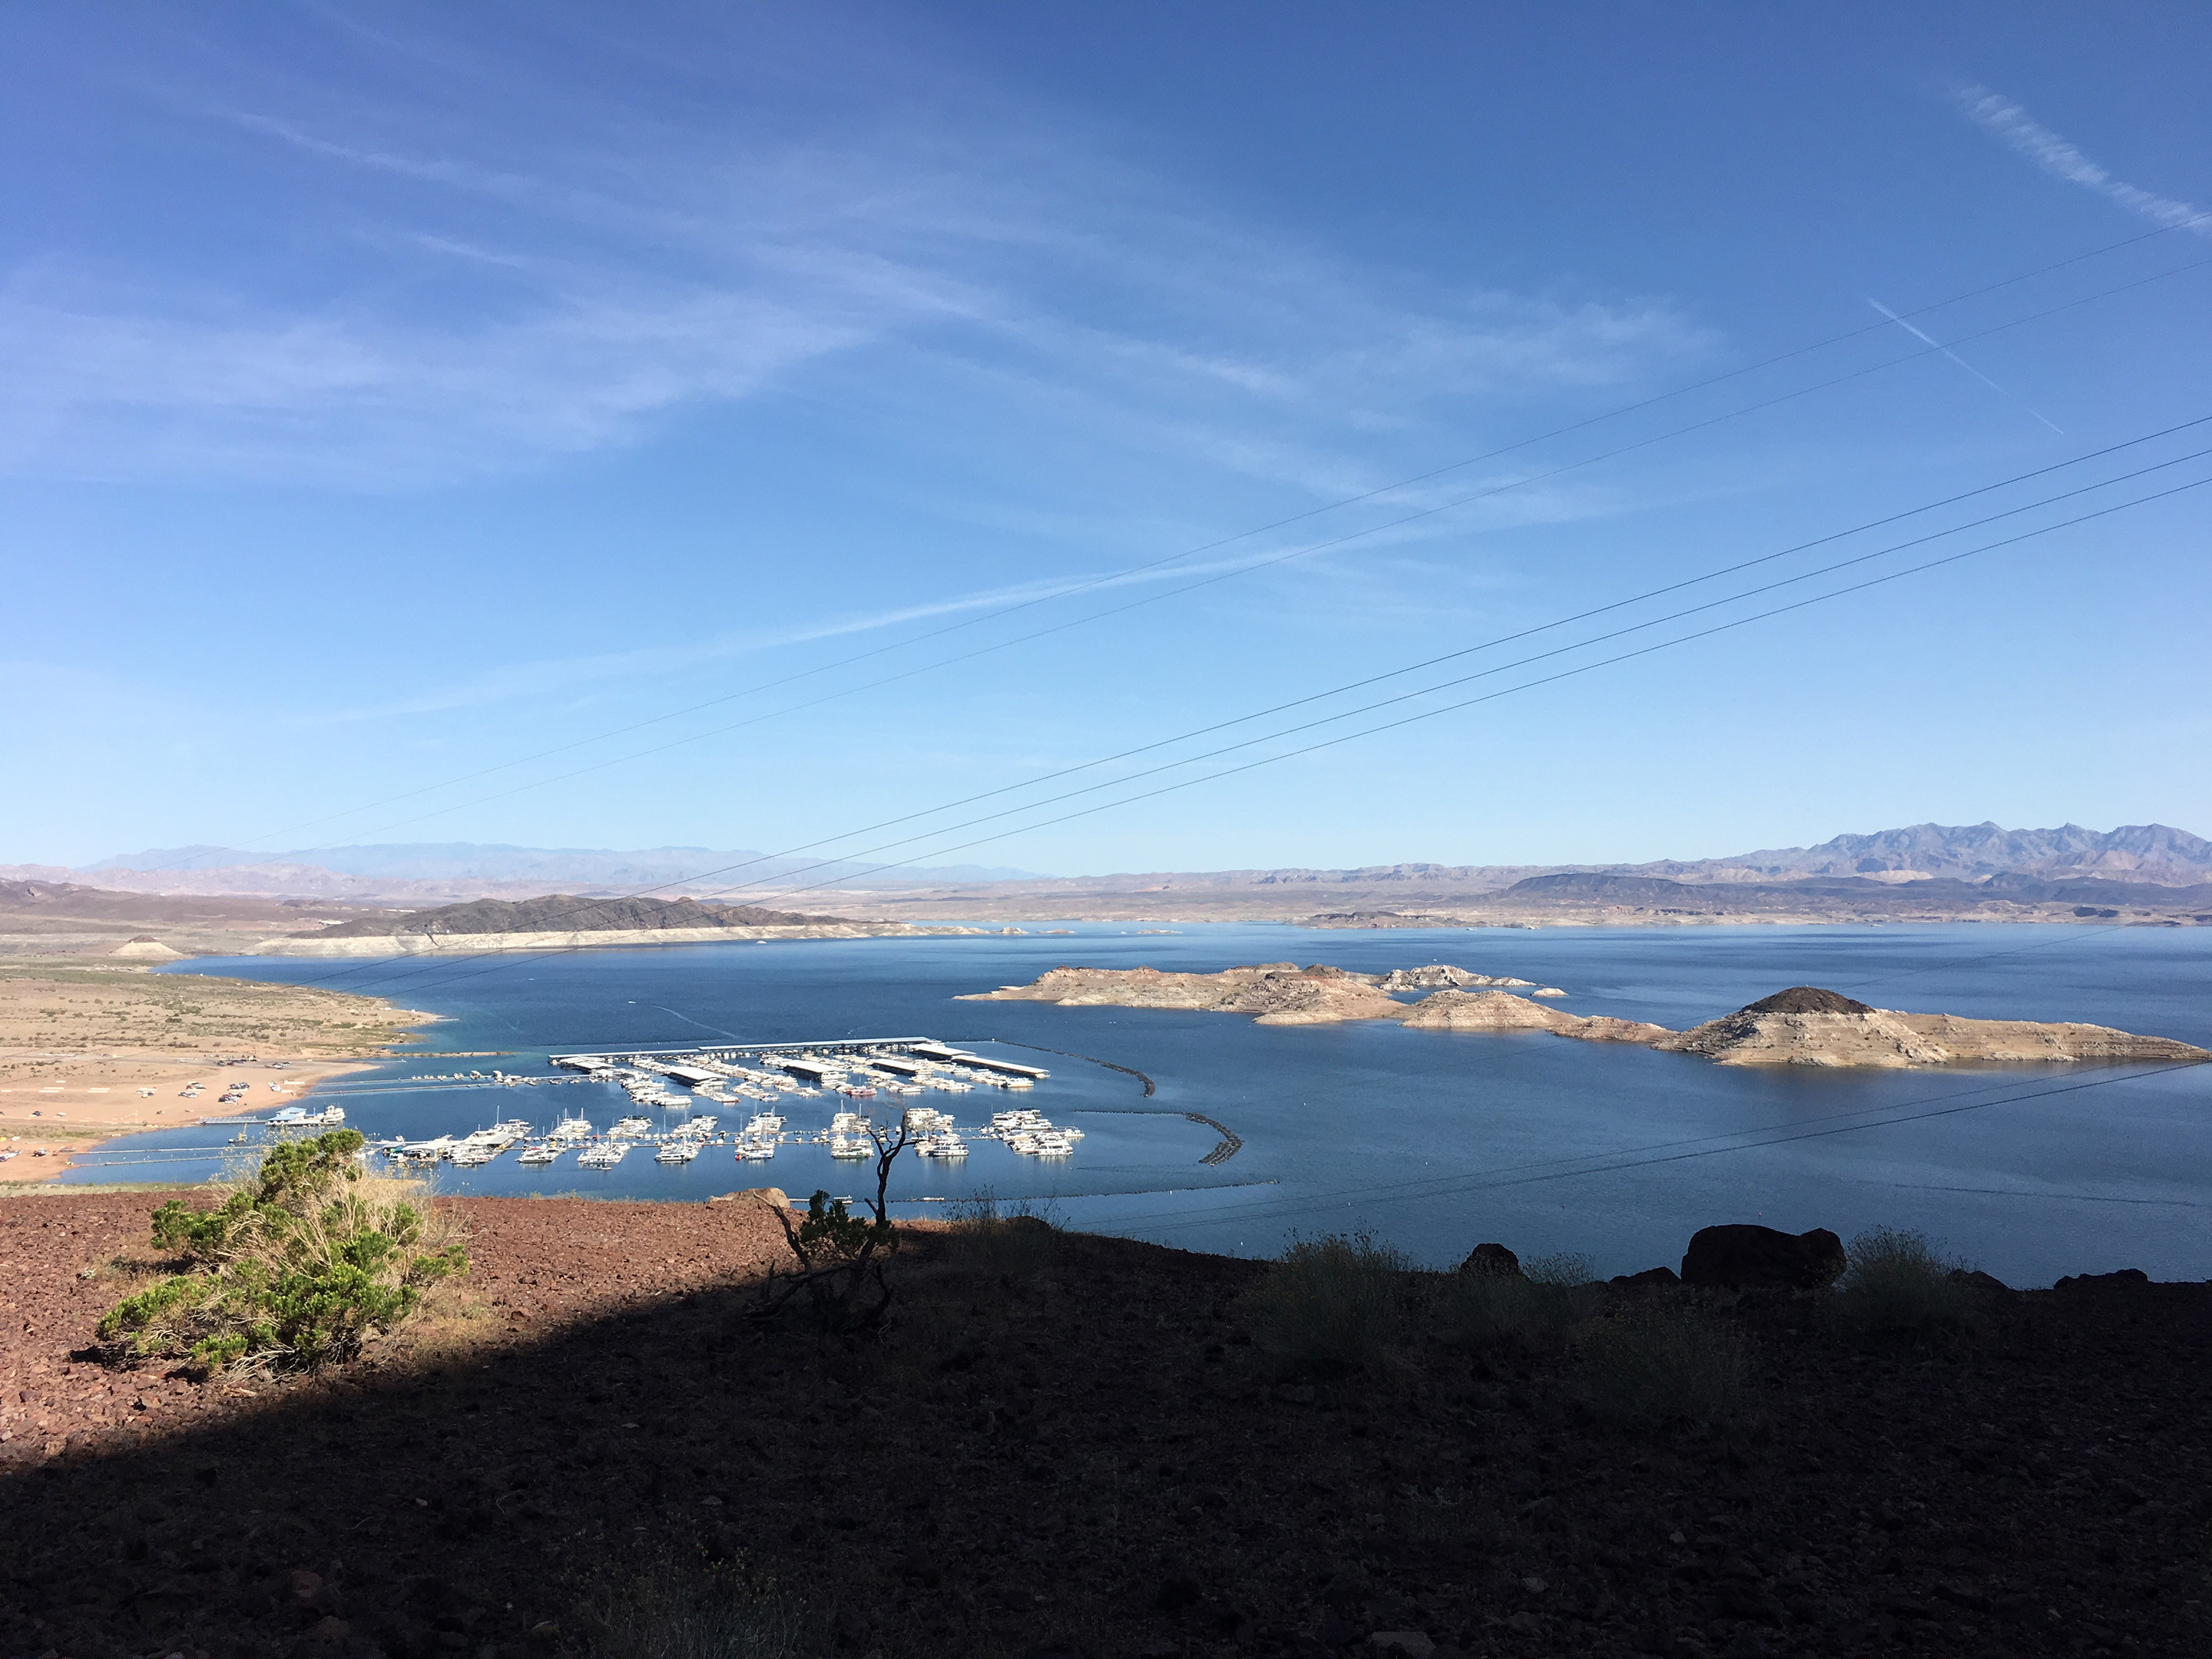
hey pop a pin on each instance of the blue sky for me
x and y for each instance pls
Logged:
(399, 393)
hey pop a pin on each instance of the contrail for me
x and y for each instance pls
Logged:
(2051, 151)
(1964, 364)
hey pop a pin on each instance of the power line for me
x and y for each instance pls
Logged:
(783, 877)
(1652, 593)
(1425, 715)
(1268, 563)
(1643, 1158)
(1582, 644)
(1569, 673)
(1282, 523)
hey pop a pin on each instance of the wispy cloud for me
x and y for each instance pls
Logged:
(2056, 155)
(561, 275)
(1544, 503)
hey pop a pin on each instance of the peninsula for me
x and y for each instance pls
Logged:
(566, 921)
(89, 1052)
(1801, 1026)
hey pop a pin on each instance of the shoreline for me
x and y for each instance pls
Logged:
(411, 945)
(24, 1122)
(89, 1054)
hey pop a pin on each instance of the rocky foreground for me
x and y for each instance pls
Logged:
(1801, 1026)
(1069, 1447)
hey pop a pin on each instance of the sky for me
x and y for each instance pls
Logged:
(747, 426)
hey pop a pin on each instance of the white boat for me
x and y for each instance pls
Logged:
(681, 1150)
(573, 1129)
(632, 1125)
(604, 1155)
(851, 1146)
(543, 1152)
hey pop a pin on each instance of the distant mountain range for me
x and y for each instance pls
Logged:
(462, 860)
(435, 873)
(2154, 853)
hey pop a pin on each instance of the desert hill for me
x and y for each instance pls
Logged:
(46, 917)
(567, 913)
(1921, 872)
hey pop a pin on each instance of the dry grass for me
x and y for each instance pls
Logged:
(676, 1607)
(1895, 1283)
(1654, 1364)
(1331, 1306)
(1536, 1311)
(1014, 1238)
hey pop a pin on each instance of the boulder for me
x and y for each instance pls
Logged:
(1651, 1278)
(1742, 1256)
(774, 1197)
(1975, 1278)
(1493, 1261)
(2085, 1281)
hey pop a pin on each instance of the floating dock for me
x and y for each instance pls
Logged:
(812, 1060)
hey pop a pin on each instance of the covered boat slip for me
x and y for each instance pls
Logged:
(694, 1063)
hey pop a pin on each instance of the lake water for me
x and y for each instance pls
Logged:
(1433, 1141)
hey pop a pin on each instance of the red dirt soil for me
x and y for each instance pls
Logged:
(1079, 1452)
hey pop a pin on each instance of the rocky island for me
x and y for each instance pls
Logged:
(1278, 993)
(1807, 1026)
(1801, 1026)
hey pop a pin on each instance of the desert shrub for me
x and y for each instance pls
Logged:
(294, 1269)
(671, 1608)
(1011, 1236)
(1535, 1309)
(1895, 1283)
(1330, 1306)
(1653, 1364)
(840, 1255)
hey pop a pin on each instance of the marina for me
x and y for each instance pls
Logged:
(667, 1088)
(1410, 1132)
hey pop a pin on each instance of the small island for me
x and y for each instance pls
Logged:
(1804, 1025)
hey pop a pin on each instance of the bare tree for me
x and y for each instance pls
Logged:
(840, 1255)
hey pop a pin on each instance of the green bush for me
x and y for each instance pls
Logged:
(1535, 1308)
(293, 1270)
(1895, 1283)
(1331, 1306)
(1651, 1364)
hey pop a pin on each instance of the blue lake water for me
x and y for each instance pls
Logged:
(1431, 1140)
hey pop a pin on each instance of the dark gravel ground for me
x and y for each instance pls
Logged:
(1071, 1445)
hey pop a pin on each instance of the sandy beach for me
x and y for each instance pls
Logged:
(88, 1053)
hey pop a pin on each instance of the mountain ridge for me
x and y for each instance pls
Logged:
(430, 874)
